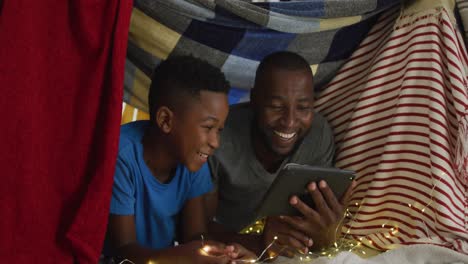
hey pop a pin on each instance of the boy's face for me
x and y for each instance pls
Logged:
(284, 108)
(196, 130)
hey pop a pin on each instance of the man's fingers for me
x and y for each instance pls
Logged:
(347, 195)
(320, 203)
(303, 208)
(291, 242)
(330, 198)
(280, 250)
(298, 224)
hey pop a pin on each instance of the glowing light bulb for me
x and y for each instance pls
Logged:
(206, 249)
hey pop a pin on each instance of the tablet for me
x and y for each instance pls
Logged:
(293, 180)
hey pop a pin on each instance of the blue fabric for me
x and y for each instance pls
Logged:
(137, 192)
(236, 95)
(260, 43)
(224, 39)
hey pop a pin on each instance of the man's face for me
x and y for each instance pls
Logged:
(283, 105)
(196, 130)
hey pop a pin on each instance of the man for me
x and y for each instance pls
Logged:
(278, 126)
(161, 175)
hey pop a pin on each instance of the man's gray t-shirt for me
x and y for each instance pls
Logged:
(241, 180)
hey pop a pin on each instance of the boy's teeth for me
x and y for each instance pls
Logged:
(284, 135)
(203, 155)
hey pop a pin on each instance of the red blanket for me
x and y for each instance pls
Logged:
(61, 78)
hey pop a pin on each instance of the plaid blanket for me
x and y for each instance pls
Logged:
(235, 35)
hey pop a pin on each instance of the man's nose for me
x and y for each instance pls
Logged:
(288, 118)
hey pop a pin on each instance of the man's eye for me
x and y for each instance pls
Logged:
(275, 107)
(208, 127)
(303, 107)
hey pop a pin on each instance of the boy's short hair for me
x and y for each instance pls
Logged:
(181, 76)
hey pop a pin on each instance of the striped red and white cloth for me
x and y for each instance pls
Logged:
(399, 111)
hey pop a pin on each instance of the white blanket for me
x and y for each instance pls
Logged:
(414, 254)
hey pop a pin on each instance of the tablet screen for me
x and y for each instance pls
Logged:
(293, 180)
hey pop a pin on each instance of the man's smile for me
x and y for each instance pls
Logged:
(285, 136)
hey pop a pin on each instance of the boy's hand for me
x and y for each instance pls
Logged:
(196, 252)
(238, 252)
(217, 253)
(288, 242)
(320, 224)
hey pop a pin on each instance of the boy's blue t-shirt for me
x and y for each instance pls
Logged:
(137, 192)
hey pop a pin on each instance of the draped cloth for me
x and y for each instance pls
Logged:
(391, 80)
(399, 110)
(61, 72)
(235, 35)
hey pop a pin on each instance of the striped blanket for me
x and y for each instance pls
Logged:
(399, 109)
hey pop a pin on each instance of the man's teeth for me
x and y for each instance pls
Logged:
(284, 135)
(203, 155)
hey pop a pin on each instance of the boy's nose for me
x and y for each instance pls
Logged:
(214, 141)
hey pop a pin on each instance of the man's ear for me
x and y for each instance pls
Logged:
(164, 119)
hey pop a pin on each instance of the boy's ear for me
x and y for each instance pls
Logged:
(164, 118)
(252, 94)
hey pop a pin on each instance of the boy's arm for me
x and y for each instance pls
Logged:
(193, 219)
(218, 232)
(122, 237)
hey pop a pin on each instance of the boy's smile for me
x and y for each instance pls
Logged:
(196, 131)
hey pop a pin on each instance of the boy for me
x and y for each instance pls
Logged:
(161, 176)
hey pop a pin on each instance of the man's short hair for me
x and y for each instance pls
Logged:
(181, 76)
(285, 60)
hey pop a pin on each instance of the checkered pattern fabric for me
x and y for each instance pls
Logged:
(235, 35)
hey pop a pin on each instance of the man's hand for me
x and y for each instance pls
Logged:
(288, 242)
(320, 224)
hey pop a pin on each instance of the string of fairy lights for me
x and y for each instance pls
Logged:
(342, 243)
(360, 245)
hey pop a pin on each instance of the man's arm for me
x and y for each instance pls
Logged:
(286, 237)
